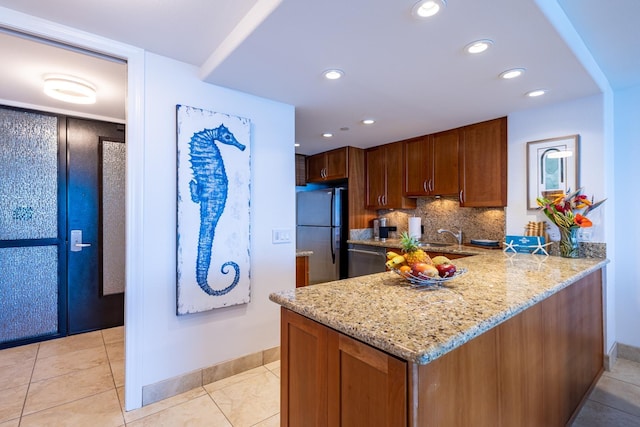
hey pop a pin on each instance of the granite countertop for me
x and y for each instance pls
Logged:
(304, 253)
(422, 324)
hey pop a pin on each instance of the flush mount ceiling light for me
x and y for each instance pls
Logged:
(327, 134)
(535, 93)
(333, 74)
(427, 8)
(478, 46)
(512, 74)
(296, 145)
(69, 89)
(368, 121)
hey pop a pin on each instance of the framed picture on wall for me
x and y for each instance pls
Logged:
(213, 221)
(552, 167)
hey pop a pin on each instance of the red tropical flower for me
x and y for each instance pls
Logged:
(582, 221)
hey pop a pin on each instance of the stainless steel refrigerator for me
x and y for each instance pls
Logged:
(321, 227)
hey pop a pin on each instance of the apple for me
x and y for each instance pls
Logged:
(446, 270)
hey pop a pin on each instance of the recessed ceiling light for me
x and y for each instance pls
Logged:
(327, 134)
(512, 74)
(427, 8)
(368, 121)
(333, 74)
(478, 46)
(69, 89)
(535, 93)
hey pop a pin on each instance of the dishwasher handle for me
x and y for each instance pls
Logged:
(361, 251)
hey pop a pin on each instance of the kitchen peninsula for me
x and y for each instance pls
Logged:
(518, 340)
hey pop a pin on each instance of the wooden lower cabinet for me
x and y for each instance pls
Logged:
(329, 379)
(534, 369)
(302, 271)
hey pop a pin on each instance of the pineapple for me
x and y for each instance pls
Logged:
(412, 253)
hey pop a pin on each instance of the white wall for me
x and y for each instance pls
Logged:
(582, 116)
(585, 117)
(627, 237)
(174, 345)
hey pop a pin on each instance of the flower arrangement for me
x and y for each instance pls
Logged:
(569, 212)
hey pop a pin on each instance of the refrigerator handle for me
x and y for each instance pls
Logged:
(333, 249)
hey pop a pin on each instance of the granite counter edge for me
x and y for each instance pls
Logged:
(428, 353)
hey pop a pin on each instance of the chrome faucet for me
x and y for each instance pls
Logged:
(457, 235)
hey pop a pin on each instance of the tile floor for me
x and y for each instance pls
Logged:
(78, 381)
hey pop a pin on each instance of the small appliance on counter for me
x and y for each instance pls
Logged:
(376, 229)
(385, 228)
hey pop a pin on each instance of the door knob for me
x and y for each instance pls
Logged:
(76, 241)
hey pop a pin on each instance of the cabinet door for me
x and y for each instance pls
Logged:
(394, 197)
(328, 166)
(302, 271)
(367, 387)
(336, 164)
(417, 167)
(483, 164)
(303, 381)
(316, 166)
(444, 179)
(376, 177)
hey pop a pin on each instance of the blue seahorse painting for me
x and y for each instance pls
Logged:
(213, 230)
(209, 187)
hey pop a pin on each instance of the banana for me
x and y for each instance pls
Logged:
(391, 255)
(395, 262)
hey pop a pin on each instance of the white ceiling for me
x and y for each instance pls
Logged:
(411, 76)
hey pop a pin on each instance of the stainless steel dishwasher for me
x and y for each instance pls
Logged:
(365, 259)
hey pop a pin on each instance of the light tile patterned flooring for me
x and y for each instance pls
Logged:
(78, 381)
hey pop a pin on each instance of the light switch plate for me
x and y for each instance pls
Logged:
(280, 235)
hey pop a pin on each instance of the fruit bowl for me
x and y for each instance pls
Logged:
(422, 280)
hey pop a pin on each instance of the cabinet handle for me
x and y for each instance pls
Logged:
(384, 200)
(323, 172)
(461, 196)
(379, 200)
(431, 184)
(424, 185)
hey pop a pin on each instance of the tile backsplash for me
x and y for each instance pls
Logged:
(445, 212)
(476, 223)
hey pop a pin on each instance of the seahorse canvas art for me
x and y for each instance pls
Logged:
(213, 236)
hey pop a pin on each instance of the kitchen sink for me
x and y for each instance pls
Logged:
(433, 244)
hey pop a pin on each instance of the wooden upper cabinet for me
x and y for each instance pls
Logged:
(328, 166)
(376, 177)
(445, 162)
(384, 171)
(431, 165)
(483, 164)
(418, 166)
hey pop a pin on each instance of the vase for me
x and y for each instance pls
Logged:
(569, 242)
